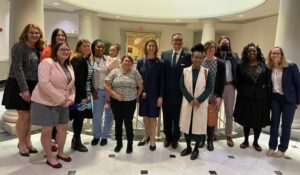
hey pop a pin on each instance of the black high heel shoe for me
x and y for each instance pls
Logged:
(143, 142)
(25, 154)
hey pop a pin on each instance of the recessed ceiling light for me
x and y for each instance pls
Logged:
(241, 16)
(177, 20)
(55, 3)
(117, 16)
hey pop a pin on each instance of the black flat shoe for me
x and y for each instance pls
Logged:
(33, 150)
(152, 148)
(103, 142)
(143, 142)
(194, 154)
(186, 151)
(95, 142)
(26, 154)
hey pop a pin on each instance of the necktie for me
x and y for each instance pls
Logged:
(174, 60)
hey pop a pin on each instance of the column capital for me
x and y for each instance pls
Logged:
(83, 12)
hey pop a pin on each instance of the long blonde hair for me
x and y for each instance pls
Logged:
(283, 61)
(77, 51)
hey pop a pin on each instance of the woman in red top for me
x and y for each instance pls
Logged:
(58, 36)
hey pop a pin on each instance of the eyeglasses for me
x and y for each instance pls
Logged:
(64, 50)
(34, 33)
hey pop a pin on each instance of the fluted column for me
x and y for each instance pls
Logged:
(22, 12)
(86, 24)
(287, 37)
(208, 30)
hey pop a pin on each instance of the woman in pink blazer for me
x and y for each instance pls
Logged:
(52, 96)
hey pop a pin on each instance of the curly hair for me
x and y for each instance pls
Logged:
(260, 57)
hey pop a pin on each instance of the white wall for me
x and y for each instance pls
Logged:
(67, 21)
(261, 32)
(4, 35)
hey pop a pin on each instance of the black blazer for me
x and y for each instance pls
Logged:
(220, 78)
(234, 61)
(247, 88)
(81, 72)
(172, 75)
(290, 83)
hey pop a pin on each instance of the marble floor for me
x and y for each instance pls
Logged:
(163, 161)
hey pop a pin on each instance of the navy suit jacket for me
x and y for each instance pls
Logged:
(172, 76)
(291, 83)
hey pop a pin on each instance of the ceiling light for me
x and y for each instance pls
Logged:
(241, 16)
(117, 16)
(55, 3)
(177, 20)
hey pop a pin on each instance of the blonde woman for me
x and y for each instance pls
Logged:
(285, 88)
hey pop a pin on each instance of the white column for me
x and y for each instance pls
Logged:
(22, 12)
(287, 37)
(86, 25)
(208, 30)
(96, 28)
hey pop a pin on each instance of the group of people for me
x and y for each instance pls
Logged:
(48, 86)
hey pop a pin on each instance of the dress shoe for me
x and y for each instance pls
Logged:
(58, 165)
(33, 150)
(210, 145)
(24, 154)
(103, 142)
(167, 143)
(270, 153)
(278, 154)
(186, 151)
(244, 145)
(230, 142)
(54, 148)
(202, 143)
(129, 148)
(195, 154)
(257, 147)
(118, 148)
(152, 148)
(174, 144)
(143, 141)
(66, 159)
(95, 142)
(78, 146)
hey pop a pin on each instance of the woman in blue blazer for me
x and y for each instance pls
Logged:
(285, 99)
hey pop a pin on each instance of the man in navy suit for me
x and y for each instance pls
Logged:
(174, 61)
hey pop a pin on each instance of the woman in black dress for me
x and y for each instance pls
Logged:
(21, 81)
(82, 107)
(252, 107)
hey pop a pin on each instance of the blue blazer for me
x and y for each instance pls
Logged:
(291, 83)
(172, 75)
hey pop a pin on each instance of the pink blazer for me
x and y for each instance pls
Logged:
(52, 88)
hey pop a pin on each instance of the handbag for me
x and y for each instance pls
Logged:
(212, 115)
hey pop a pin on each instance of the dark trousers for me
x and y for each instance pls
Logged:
(77, 126)
(281, 108)
(123, 112)
(171, 113)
